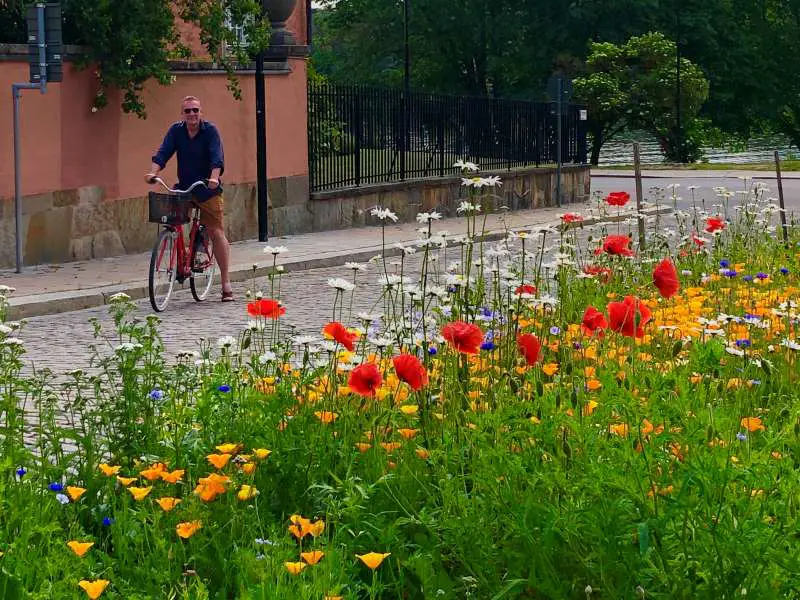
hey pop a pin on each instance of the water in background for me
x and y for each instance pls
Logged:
(619, 151)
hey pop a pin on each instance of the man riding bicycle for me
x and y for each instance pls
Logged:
(200, 157)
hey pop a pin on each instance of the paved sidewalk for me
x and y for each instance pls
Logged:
(50, 289)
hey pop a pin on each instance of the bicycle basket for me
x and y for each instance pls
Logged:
(170, 209)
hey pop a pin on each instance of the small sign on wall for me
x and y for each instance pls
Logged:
(583, 114)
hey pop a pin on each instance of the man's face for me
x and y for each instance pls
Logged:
(191, 112)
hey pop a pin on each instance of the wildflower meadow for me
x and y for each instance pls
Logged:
(571, 412)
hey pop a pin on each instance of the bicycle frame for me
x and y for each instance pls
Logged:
(182, 251)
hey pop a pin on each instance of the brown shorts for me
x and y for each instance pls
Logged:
(212, 212)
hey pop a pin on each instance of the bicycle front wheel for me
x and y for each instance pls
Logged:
(163, 269)
(202, 261)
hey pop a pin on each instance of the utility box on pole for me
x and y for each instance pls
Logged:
(52, 43)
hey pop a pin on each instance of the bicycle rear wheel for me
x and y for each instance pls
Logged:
(163, 268)
(203, 266)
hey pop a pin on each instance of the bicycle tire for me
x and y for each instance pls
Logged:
(202, 257)
(163, 250)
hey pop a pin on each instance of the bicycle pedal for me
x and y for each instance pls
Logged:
(198, 269)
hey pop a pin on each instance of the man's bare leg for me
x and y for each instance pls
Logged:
(222, 252)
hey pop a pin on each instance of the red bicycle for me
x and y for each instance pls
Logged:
(172, 259)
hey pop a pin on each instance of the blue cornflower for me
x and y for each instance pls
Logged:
(62, 498)
(555, 330)
(21, 472)
(452, 289)
(755, 382)
(486, 311)
(743, 343)
(761, 275)
(224, 388)
(488, 346)
(747, 278)
(784, 271)
(432, 351)
(724, 263)
(108, 521)
(56, 487)
(741, 437)
(751, 317)
(156, 394)
(730, 273)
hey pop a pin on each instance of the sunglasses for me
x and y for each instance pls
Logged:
(188, 111)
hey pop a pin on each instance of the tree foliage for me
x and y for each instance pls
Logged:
(129, 42)
(634, 85)
(748, 50)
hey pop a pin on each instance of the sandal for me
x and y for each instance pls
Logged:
(227, 296)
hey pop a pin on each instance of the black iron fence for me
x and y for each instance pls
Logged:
(360, 135)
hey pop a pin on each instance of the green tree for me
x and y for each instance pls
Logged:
(130, 42)
(634, 85)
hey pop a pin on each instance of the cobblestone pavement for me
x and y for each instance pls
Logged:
(61, 342)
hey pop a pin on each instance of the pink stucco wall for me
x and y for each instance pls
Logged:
(65, 145)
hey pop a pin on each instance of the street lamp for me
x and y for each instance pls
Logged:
(678, 125)
(406, 90)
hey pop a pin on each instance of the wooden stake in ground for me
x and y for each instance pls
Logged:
(780, 199)
(640, 216)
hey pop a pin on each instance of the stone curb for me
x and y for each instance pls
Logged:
(60, 302)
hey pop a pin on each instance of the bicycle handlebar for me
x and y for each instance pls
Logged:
(171, 191)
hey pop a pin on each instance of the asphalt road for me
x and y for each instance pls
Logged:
(705, 187)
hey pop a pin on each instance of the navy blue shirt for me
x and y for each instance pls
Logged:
(196, 156)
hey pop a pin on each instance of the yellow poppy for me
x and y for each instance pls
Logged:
(422, 453)
(262, 453)
(752, 424)
(139, 493)
(94, 588)
(188, 529)
(173, 476)
(167, 503)
(363, 447)
(75, 492)
(593, 385)
(326, 416)
(390, 446)
(229, 448)
(108, 470)
(312, 558)
(550, 369)
(80, 548)
(295, 568)
(247, 492)
(373, 559)
(218, 460)
(620, 429)
(126, 481)
(249, 468)
(409, 409)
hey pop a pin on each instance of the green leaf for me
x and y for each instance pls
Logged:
(644, 538)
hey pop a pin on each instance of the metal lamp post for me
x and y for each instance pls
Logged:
(280, 39)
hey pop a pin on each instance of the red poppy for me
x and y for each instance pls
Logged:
(698, 241)
(616, 245)
(629, 316)
(714, 224)
(525, 288)
(665, 278)
(618, 198)
(530, 346)
(593, 322)
(464, 337)
(410, 370)
(602, 273)
(339, 333)
(571, 218)
(270, 309)
(365, 379)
